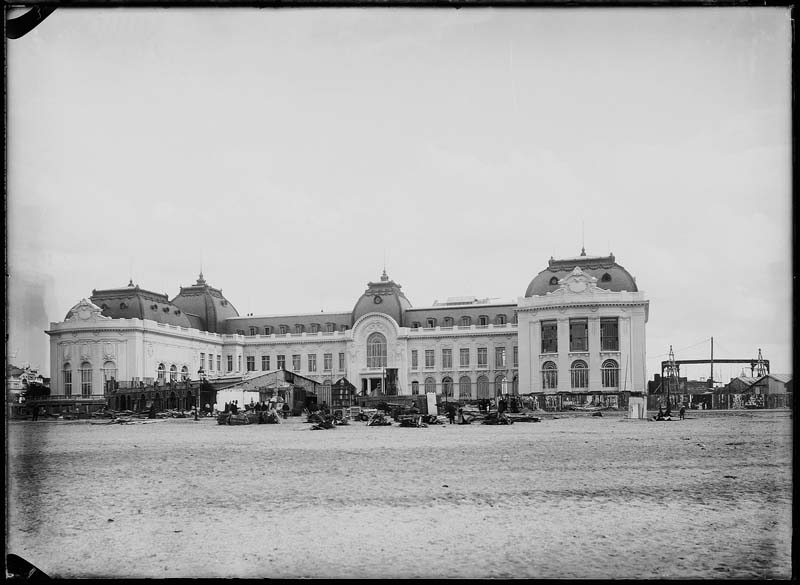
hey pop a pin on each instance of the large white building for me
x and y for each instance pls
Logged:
(579, 330)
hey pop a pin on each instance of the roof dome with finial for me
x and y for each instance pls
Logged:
(134, 302)
(384, 297)
(206, 306)
(609, 274)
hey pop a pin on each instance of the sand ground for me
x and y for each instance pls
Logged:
(569, 497)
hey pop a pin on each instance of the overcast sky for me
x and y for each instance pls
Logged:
(290, 151)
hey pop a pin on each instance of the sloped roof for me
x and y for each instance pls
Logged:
(610, 275)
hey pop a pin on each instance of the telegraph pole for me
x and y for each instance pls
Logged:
(711, 378)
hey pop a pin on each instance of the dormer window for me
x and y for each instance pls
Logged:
(299, 328)
(123, 306)
(330, 327)
(465, 321)
(483, 321)
(606, 277)
(447, 322)
(284, 329)
(315, 328)
(253, 330)
(500, 320)
(267, 330)
(415, 325)
(430, 322)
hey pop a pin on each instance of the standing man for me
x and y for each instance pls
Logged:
(682, 411)
(451, 413)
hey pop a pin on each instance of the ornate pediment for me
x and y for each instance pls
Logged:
(86, 311)
(576, 282)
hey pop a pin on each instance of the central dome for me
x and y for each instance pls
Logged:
(609, 274)
(382, 297)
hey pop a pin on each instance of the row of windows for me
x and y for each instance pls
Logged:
(579, 335)
(280, 362)
(109, 371)
(482, 321)
(500, 358)
(579, 375)
(465, 388)
(285, 329)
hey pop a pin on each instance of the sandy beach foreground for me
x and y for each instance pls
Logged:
(569, 497)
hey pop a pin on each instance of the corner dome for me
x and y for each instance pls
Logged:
(384, 297)
(205, 306)
(610, 275)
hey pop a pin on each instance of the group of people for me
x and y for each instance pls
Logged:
(284, 410)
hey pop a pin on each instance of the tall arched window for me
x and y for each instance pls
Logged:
(184, 373)
(484, 390)
(610, 373)
(86, 379)
(430, 385)
(414, 388)
(173, 373)
(67, 373)
(549, 376)
(465, 387)
(447, 386)
(162, 373)
(326, 389)
(499, 385)
(109, 372)
(579, 374)
(376, 351)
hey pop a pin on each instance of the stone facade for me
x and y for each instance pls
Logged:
(465, 347)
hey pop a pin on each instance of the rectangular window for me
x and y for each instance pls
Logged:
(464, 356)
(341, 362)
(578, 335)
(315, 328)
(210, 362)
(68, 382)
(251, 363)
(414, 359)
(219, 363)
(265, 363)
(549, 337)
(447, 359)
(281, 362)
(329, 327)
(516, 356)
(238, 363)
(430, 323)
(312, 362)
(202, 358)
(295, 363)
(267, 330)
(327, 362)
(609, 334)
(230, 363)
(284, 329)
(483, 357)
(253, 330)
(430, 360)
(500, 357)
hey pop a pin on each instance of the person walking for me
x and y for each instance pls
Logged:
(451, 413)
(682, 411)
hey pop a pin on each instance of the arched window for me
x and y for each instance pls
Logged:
(326, 388)
(500, 320)
(447, 386)
(162, 373)
(414, 388)
(173, 373)
(483, 321)
(299, 329)
(549, 376)
(284, 329)
(86, 379)
(499, 385)
(465, 321)
(315, 328)
(430, 385)
(67, 373)
(185, 373)
(447, 322)
(109, 371)
(579, 374)
(484, 390)
(610, 374)
(465, 387)
(376, 351)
